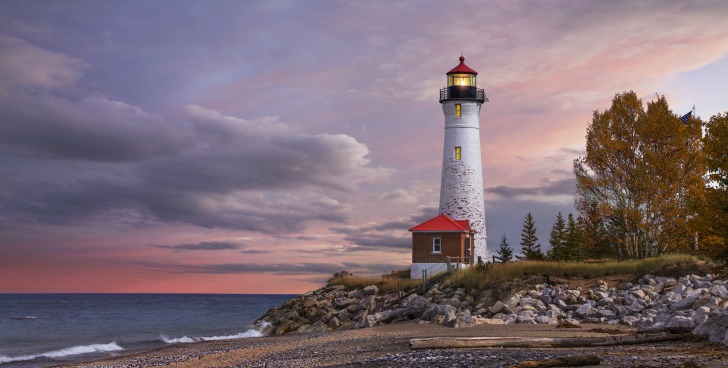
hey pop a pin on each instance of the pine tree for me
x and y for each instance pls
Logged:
(557, 240)
(505, 253)
(530, 249)
(573, 239)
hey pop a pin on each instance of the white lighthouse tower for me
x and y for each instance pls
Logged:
(461, 189)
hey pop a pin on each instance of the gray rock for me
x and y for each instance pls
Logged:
(701, 315)
(451, 301)
(526, 317)
(416, 306)
(437, 310)
(496, 308)
(501, 316)
(687, 301)
(464, 319)
(680, 322)
(371, 290)
(343, 302)
(585, 310)
(450, 318)
(333, 323)
(719, 291)
(715, 328)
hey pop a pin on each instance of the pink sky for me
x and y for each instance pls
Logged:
(237, 147)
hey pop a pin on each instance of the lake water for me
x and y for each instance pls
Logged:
(37, 330)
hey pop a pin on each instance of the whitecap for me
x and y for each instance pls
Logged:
(187, 339)
(75, 350)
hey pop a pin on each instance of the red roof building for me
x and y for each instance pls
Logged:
(440, 238)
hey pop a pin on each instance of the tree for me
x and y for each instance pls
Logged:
(530, 249)
(573, 248)
(641, 176)
(505, 253)
(594, 238)
(714, 217)
(558, 240)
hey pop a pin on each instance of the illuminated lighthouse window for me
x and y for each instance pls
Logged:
(458, 110)
(457, 152)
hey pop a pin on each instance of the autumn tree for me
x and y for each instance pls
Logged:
(714, 218)
(641, 176)
(530, 249)
(505, 252)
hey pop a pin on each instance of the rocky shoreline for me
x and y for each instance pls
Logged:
(697, 304)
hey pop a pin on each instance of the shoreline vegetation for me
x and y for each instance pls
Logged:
(373, 322)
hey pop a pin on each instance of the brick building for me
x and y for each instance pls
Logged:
(438, 238)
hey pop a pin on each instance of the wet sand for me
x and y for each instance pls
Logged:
(388, 346)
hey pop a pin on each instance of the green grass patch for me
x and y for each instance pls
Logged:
(480, 277)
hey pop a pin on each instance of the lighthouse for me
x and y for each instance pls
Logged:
(461, 188)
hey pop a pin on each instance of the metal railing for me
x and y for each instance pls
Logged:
(463, 93)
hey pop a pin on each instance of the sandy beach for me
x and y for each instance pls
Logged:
(388, 346)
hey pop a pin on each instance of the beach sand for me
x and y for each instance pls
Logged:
(388, 346)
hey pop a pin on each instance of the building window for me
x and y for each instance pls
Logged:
(458, 110)
(458, 153)
(436, 245)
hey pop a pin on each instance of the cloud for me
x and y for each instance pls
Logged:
(71, 161)
(389, 235)
(549, 188)
(274, 268)
(212, 245)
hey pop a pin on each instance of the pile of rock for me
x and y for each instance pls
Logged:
(691, 303)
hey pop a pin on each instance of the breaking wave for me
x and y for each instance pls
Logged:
(76, 350)
(187, 339)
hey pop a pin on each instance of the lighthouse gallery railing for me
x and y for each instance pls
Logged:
(463, 93)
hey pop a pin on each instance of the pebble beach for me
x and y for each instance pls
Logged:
(388, 346)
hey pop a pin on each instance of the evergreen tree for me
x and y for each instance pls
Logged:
(530, 249)
(558, 240)
(505, 253)
(573, 239)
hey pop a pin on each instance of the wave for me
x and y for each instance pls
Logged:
(76, 350)
(187, 339)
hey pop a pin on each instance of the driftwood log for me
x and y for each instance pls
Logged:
(577, 361)
(540, 342)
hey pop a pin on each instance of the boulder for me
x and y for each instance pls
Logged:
(701, 315)
(496, 308)
(585, 310)
(719, 291)
(340, 303)
(449, 318)
(464, 319)
(526, 317)
(715, 328)
(437, 310)
(680, 323)
(416, 306)
(371, 290)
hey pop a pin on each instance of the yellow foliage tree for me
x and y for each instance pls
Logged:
(642, 176)
(714, 219)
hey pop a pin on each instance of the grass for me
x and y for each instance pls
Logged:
(384, 285)
(480, 278)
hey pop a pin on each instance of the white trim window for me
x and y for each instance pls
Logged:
(436, 245)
